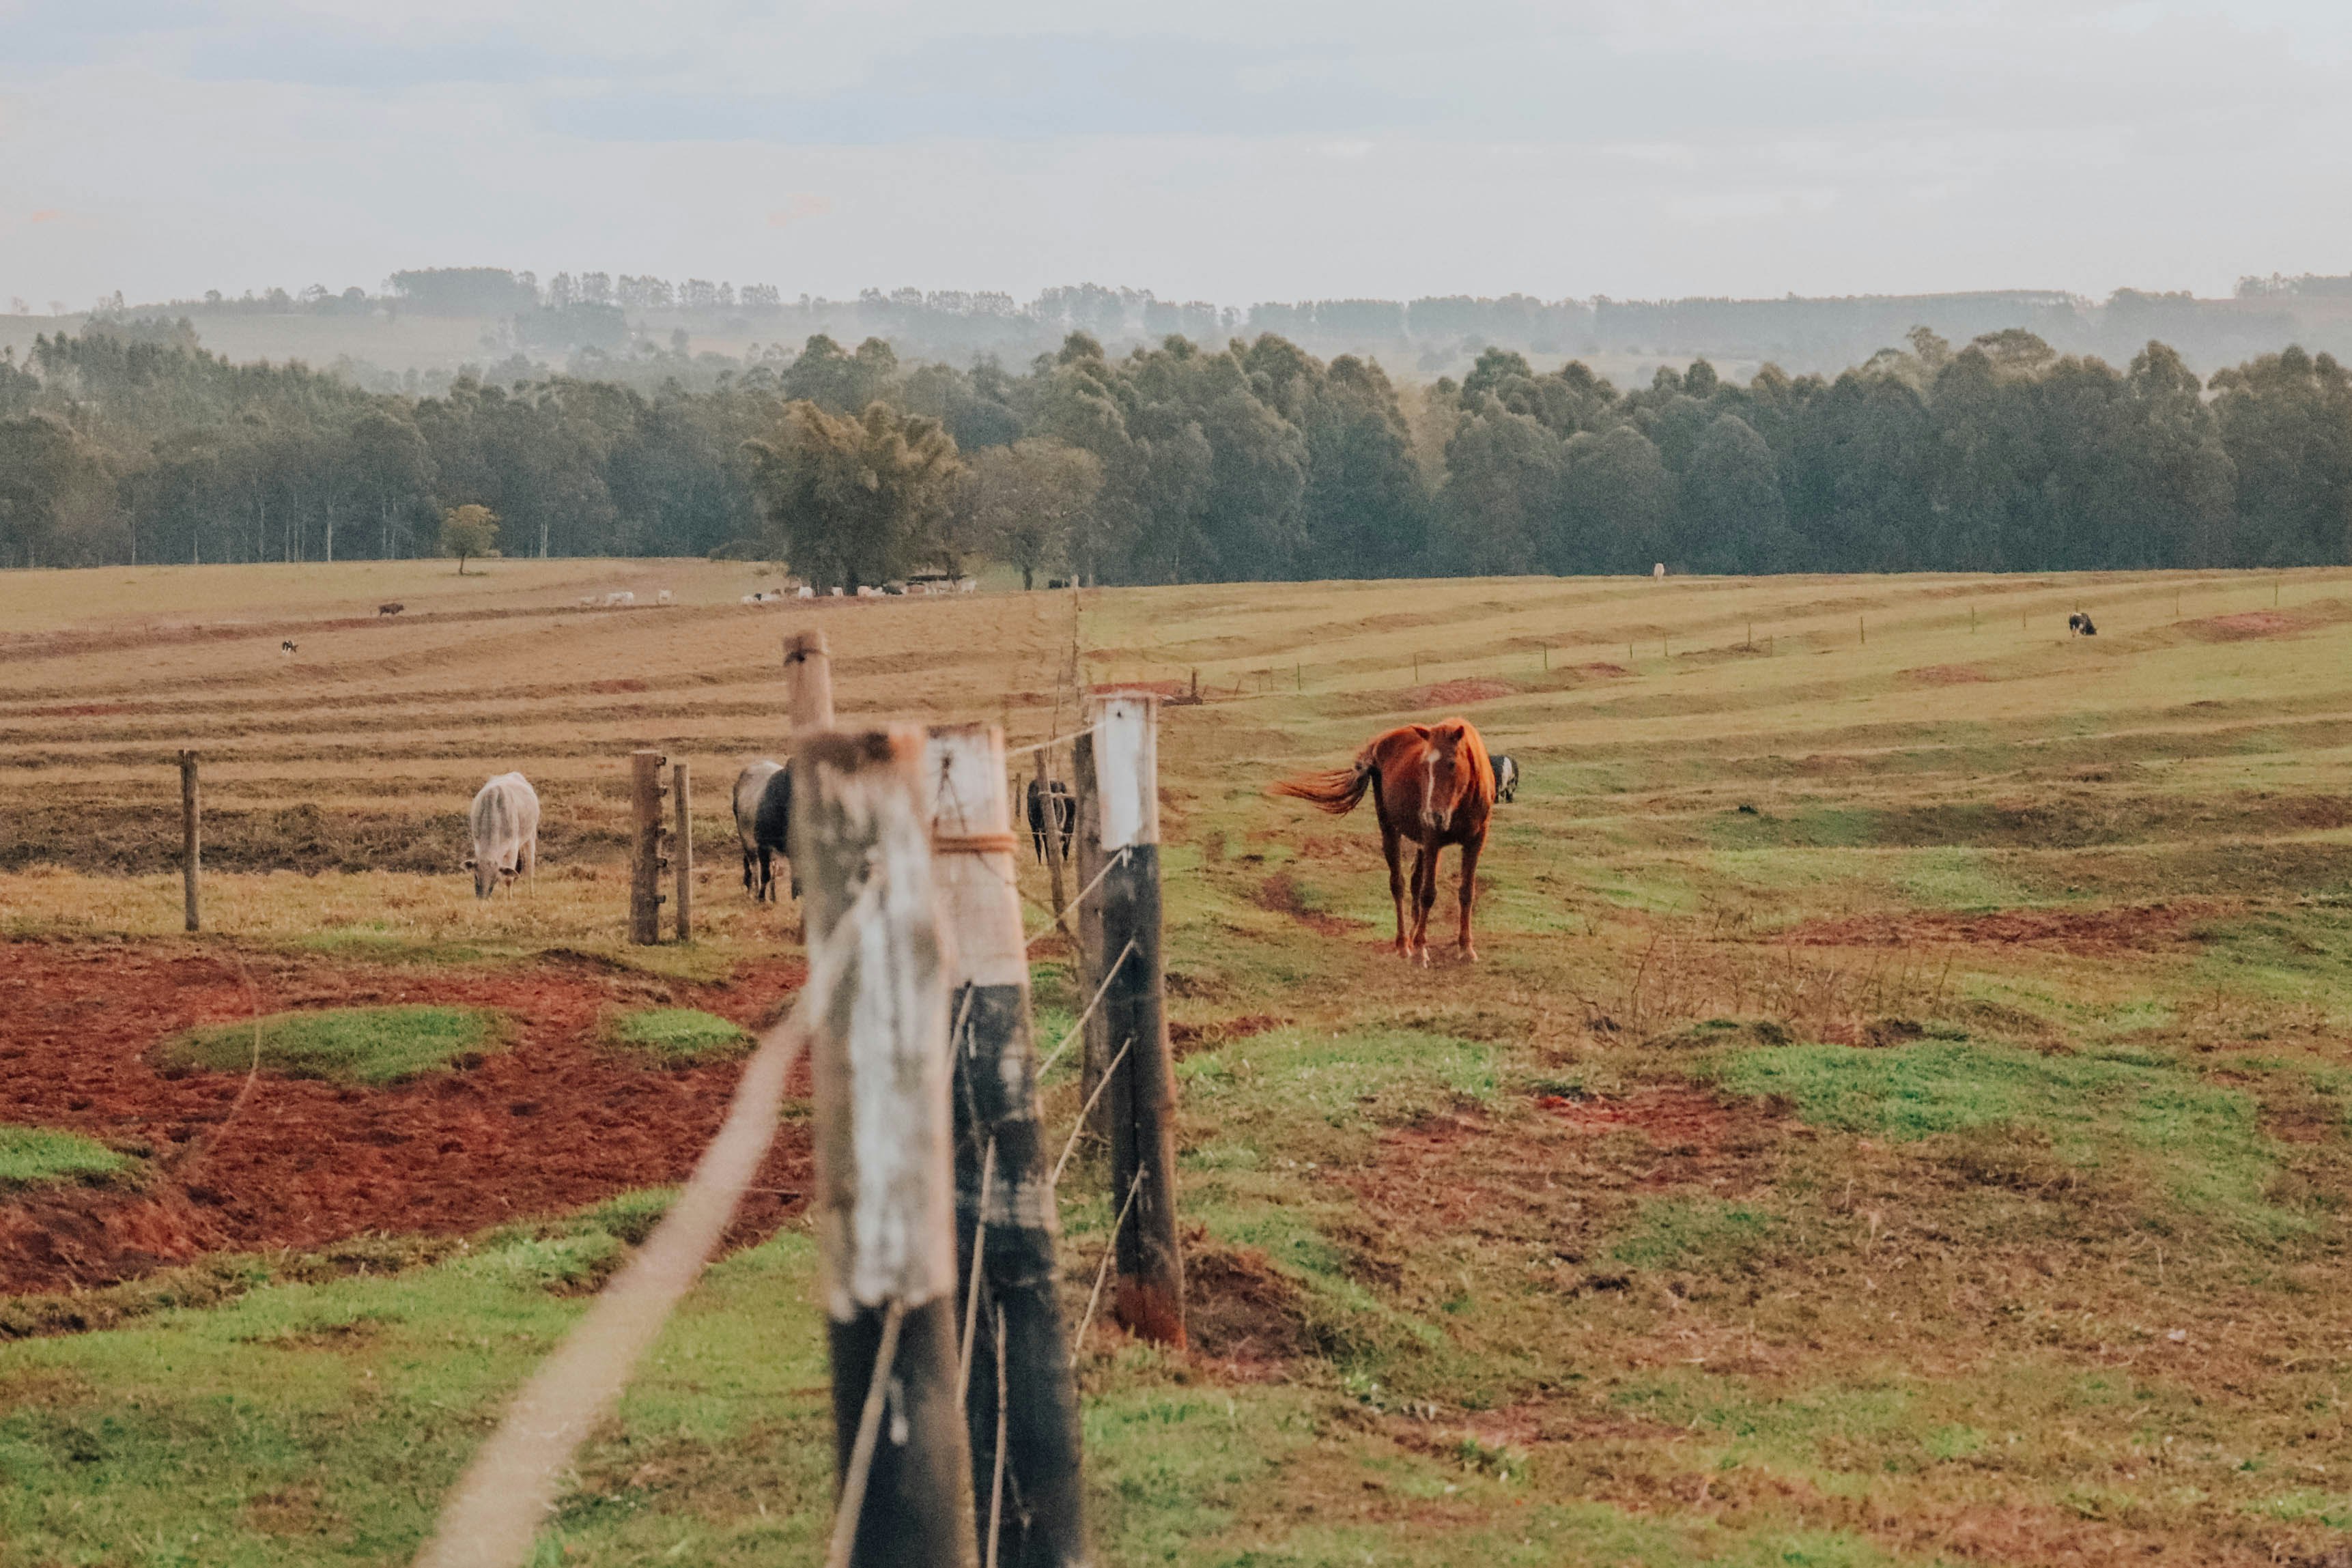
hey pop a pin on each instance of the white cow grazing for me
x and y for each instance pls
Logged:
(505, 823)
(664, 597)
(619, 596)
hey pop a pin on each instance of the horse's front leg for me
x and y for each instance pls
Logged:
(1390, 847)
(1424, 896)
(1469, 892)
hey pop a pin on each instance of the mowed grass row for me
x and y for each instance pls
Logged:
(1942, 1159)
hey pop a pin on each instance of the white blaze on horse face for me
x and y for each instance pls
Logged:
(1433, 815)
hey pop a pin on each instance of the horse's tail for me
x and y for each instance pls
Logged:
(1336, 792)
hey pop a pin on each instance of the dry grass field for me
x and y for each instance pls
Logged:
(1900, 1115)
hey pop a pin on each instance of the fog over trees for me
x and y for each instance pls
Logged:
(1183, 462)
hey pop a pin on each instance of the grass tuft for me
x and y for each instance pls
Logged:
(676, 1035)
(32, 1155)
(375, 1046)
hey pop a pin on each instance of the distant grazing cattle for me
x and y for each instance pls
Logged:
(664, 597)
(804, 591)
(1506, 776)
(505, 823)
(1065, 817)
(588, 601)
(287, 646)
(1658, 570)
(390, 609)
(763, 821)
(619, 596)
(2079, 624)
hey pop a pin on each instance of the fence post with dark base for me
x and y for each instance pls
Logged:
(191, 838)
(1006, 1220)
(681, 789)
(1094, 1048)
(885, 1198)
(644, 847)
(1142, 1089)
(808, 682)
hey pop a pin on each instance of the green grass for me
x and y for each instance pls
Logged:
(373, 1046)
(31, 1154)
(680, 1035)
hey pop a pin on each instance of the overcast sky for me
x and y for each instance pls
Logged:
(1227, 150)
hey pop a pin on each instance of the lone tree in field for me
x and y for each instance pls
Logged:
(855, 500)
(469, 530)
(1027, 503)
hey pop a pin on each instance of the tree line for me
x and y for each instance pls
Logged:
(1190, 462)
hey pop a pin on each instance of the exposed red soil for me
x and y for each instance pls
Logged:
(1282, 893)
(2141, 928)
(1185, 1038)
(2246, 623)
(1695, 1137)
(1238, 1308)
(1946, 675)
(1447, 693)
(551, 1122)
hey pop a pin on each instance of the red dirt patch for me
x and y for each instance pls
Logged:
(1448, 693)
(1282, 893)
(1690, 1130)
(2144, 928)
(1946, 675)
(1238, 1307)
(2246, 623)
(553, 1123)
(1186, 1039)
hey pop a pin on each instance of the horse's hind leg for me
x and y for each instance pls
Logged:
(1390, 847)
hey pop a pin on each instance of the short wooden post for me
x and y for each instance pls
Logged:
(191, 839)
(644, 847)
(1006, 1219)
(808, 682)
(1053, 840)
(1142, 1087)
(1095, 1044)
(884, 1196)
(681, 790)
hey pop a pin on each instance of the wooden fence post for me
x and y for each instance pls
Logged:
(681, 789)
(1006, 1219)
(191, 838)
(1053, 841)
(644, 847)
(808, 682)
(1142, 1087)
(885, 1200)
(1094, 1047)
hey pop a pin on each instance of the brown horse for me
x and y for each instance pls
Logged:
(1431, 783)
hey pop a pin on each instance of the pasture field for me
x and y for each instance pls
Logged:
(1901, 1114)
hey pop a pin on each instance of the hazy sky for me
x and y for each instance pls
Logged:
(1219, 149)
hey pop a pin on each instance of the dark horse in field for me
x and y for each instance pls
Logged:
(1432, 783)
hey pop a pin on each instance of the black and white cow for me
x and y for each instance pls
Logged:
(1506, 776)
(763, 821)
(1065, 817)
(2079, 624)
(504, 821)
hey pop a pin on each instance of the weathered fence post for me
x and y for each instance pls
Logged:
(1006, 1219)
(644, 847)
(808, 682)
(1053, 840)
(1094, 1047)
(191, 838)
(681, 789)
(885, 1200)
(1142, 1087)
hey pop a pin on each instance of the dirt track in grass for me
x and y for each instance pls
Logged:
(552, 1122)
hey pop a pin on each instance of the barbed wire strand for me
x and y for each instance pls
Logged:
(1110, 1250)
(1101, 992)
(491, 1518)
(1055, 1180)
(1039, 935)
(972, 1297)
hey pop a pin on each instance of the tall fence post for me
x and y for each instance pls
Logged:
(191, 838)
(1142, 1087)
(808, 682)
(1095, 1054)
(1006, 1219)
(681, 790)
(885, 1200)
(644, 847)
